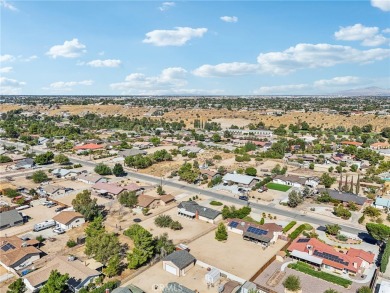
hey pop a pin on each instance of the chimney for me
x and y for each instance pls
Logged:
(310, 249)
(355, 265)
(197, 215)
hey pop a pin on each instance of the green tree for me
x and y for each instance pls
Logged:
(176, 225)
(371, 212)
(57, 283)
(128, 199)
(17, 287)
(163, 221)
(113, 266)
(380, 232)
(221, 233)
(160, 190)
(155, 140)
(95, 227)
(333, 229)
(385, 258)
(354, 168)
(102, 247)
(341, 212)
(294, 199)
(163, 243)
(44, 159)
(364, 289)
(61, 159)
(327, 180)
(250, 171)
(292, 283)
(85, 205)
(144, 246)
(118, 170)
(39, 176)
(187, 173)
(103, 169)
(216, 137)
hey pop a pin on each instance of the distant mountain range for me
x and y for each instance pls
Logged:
(367, 91)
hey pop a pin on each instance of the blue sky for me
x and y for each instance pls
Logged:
(193, 47)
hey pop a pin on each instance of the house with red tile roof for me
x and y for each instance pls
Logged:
(88, 147)
(315, 252)
(380, 145)
(355, 143)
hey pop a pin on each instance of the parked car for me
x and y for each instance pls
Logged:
(59, 231)
(59, 209)
(243, 197)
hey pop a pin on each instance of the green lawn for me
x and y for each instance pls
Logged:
(279, 187)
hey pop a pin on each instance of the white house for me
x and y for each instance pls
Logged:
(290, 180)
(68, 219)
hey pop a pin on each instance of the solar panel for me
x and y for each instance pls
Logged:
(331, 257)
(7, 247)
(303, 240)
(233, 224)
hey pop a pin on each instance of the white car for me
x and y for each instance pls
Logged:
(59, 231)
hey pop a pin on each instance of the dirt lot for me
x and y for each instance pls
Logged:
(155, 278)
(236, 256)
(191, 228)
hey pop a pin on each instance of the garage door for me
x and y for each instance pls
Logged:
(170, 269)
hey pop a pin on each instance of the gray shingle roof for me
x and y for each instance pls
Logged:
(180, 258)
(192, 207)
(10, 217)
(174, 287)
(132, 152)
(344, 196)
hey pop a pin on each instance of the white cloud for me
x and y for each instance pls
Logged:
(317, 55)
(229, 18)
(168, 80)
(166, 5)
(226, 69)
(7, 58)
(7, 5)
(381, 4)
(386, 31)
(104, 63)
(10, 86)
(69, 84)
(28, 59)
(70, 49)
(281, 89)
(101, 53)
(337, 81)
(5, 69)
(176, 37)
(368, 35)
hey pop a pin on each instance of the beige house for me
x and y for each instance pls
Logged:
(68, 219)
(178, 262)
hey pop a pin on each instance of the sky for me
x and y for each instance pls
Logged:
(193, 47)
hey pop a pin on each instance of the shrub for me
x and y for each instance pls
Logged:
(175, 225)
(385, 258)
(71, 243)
(361, 219)
(289, 226)
(292, 283)
(163, 221)
(221, 233)
(215, 203)
(299, 230)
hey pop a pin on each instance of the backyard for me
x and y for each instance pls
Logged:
(279, 187)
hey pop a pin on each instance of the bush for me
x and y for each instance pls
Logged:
(361, 219)
(292, 283)
(385, 258)
(341, 237)
(307, 269)
(39, 177)
(103, 169)
(163, 221)
(215, 203)
(175, 225)
(221, 233)
(289, 226)
(71, 243)
(299, 230)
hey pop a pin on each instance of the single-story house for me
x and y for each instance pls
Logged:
(325, 256)
(128, 289)
(190, 149)
(10, 218)
(193, 210)
(91, 179)
(174, 287)
(27, 163)
(142, 145)
(131, 153)
(290, 180)
(354, 143)
(265, 234)
(107, 188)
(210, 174)
(240, 179)
(65, 173)
(178, 262)
(80, 275)
(147, 201)
(68, 219)
(344, 196)
(17, 254)
(51, 190)
(382, 203)
(134, 187)
(89, 147)
(167, 199)
(380, 146)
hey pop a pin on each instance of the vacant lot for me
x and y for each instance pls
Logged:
(236, 256)
(191, 228)
(279, 187)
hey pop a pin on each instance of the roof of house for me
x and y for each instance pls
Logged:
(380, 144)
(238, 178)
(246, 227)
(110, 188)
(291, 178)
(76, 269)
(344, 196)
(10, 217)
(230, 286)
(364, 255)
(208, 172)
(51, 188)
(174, 287)
(12, 250)
(145, 200)
(26, 161)
(180, 258)
(128, 289)
(132, 187)
(190, 149)
(193, 207)
(89, 146)
(167, 198)
(329, 255)
(383, 202)
(89, 177)
(132, 152)
(67, 217)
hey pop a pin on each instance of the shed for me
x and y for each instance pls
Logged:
(212, 276)
(178, 262)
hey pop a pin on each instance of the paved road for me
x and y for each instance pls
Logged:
(296, 215)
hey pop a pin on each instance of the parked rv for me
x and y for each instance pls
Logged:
(44, 225)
